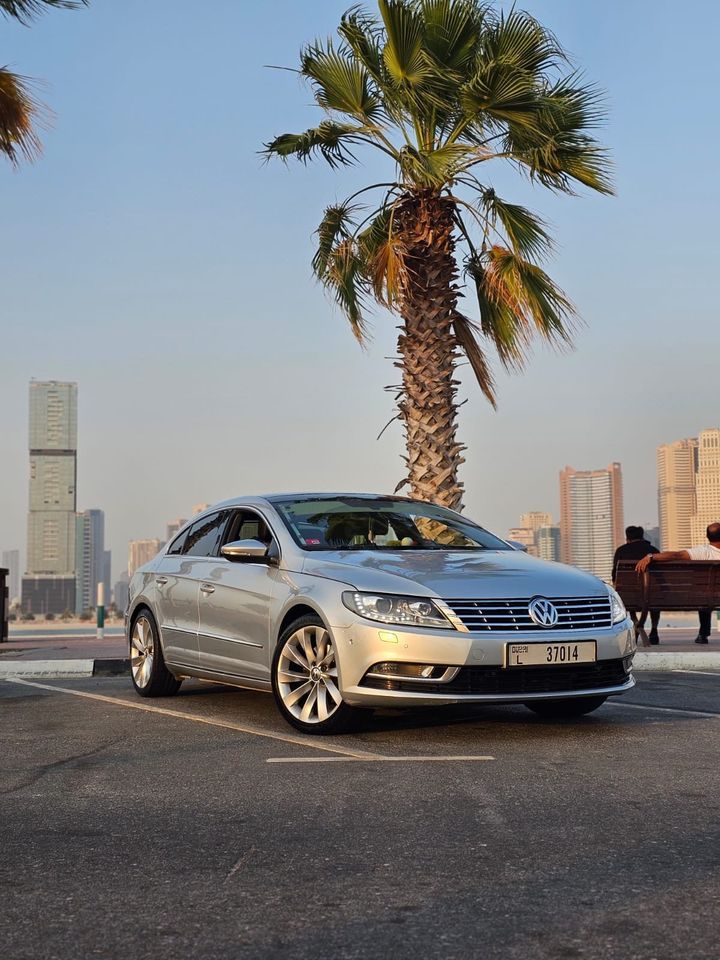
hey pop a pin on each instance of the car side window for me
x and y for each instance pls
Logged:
(177, 545)
(203, 537)
(247, 525)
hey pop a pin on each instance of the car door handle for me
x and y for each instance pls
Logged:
(161, 581)
(207, 588)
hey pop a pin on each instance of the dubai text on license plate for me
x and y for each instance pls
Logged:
(549, 654)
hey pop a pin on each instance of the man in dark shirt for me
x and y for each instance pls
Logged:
(635, 549)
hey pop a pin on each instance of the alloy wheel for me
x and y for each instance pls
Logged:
(307, 676)
(142, 651)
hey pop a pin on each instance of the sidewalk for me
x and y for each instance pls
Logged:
(62, 655)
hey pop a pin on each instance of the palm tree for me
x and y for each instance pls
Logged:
(20, 111)
(441, 88)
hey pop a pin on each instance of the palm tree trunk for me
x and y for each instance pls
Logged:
(428, 348)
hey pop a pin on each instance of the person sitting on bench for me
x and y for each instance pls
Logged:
(705, 551)
(636, 548)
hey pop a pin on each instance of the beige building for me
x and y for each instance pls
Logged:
(536, 519)
(677, 465)
(526, 536)
(591, 518)
(141, 552)
(527, 533)
(707, 485)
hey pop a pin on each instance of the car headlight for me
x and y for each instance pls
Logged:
(618, 607)
(386, 608)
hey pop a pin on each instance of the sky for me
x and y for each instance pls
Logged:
(151, 256)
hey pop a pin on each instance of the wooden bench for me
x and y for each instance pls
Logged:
(676, 585)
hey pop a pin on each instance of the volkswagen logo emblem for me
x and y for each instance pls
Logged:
(543, 613)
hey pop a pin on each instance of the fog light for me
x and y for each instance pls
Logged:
(424, 671)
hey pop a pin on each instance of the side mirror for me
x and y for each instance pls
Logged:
(516, 545)
(245, 550)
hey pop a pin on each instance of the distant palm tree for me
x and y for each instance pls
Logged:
(20, 111)
(443, 87)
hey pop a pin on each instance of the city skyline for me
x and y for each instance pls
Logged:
(688, 488)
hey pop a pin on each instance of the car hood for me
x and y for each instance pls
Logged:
(454, 574)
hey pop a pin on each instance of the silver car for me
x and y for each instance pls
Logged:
(337, 602)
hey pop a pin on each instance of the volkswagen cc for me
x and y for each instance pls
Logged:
(338, 602)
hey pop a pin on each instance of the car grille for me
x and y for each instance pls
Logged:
(515, 681)
(575, 613)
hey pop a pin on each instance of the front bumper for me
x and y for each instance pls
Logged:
(482, 678)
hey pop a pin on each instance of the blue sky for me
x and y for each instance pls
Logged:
(152, 257)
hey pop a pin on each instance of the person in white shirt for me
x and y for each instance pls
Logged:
(705, 551)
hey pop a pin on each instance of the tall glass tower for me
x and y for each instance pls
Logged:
(49, 584)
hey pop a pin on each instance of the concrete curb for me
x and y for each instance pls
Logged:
(690, 660)
(62, 669)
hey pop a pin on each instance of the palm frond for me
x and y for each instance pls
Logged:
(452, 31)
(526, 232)
(20, 112)
(329, 139)
(27, 10)
(340, 81)
(346, 278)
(403, 54)
(434, 168)
(560, 150)
(336, 225)
(501, 93)
(466, 335)
(499, 319)
(385, 253)
(518, 40)
(517, 301)
(360, 32)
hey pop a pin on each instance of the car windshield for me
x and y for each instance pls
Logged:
(364, 523)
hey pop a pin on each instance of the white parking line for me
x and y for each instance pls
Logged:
(428, 759)
(347, 753)
(687, 713)
(700, 673)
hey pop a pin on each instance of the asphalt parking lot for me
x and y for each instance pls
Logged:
(203, 826)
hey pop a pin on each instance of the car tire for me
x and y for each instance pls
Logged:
(304, 679)
(565, 709)
(150, 675)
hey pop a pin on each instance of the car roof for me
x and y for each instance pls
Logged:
(272, 498)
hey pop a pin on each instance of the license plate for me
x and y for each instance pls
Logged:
(549, 654)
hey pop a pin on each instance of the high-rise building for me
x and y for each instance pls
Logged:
(107, 574)
(527, 533)
(536, 519)
(141, 552)
(89, 557)
(11, 562)
(707, 485)
(121, 593)
(677, 465)
(526, 537)
(652, 535)
(591, 525)
(199, 508)
(48, 586)
(547, 540)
